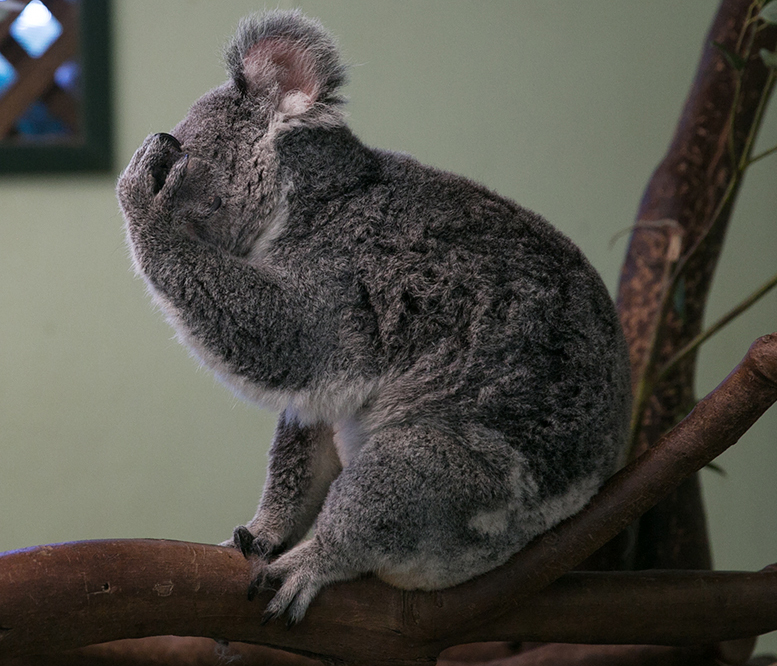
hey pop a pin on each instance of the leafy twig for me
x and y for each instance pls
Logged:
(725, 319)
(760, 156)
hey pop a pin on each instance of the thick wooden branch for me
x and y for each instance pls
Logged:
(164, 587)
(60, 597)
(166, 651)
(575, 608)
(188, 651)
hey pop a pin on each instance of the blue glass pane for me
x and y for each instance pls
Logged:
(37, 121)
(7, 75)
(68, 76)
(36, 29)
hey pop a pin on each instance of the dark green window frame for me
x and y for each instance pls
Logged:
(92, 150)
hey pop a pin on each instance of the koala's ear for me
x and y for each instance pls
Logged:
(287, 60)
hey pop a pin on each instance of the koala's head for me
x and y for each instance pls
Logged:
(217, 171)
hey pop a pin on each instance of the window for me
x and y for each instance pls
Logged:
(55, 111)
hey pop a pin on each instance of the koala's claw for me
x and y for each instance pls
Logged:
(244, 540)
(268, 616)
(259, 545)
(267, 550)
(255, 588)
(261, 583)
(289, 601)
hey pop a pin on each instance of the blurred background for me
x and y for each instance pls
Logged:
(107, 427)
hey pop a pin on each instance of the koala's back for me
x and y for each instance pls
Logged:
(477, 312)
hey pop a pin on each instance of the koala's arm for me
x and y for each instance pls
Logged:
(260, 325)
(303, 463)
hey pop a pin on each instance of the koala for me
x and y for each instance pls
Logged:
(450, 372)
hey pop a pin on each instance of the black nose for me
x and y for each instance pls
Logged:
(170, 139)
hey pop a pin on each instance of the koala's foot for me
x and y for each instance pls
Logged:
(259, 545)
(296, 577)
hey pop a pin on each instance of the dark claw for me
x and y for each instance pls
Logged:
(267, 551)
(244, 540)
(290, 621)
(171, 140)
(260, 584)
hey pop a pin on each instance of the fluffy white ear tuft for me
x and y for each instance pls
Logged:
(287, 60)
(295, 103)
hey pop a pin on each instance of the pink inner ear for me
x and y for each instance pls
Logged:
(285, 63)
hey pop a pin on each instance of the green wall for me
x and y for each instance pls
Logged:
(107, 427)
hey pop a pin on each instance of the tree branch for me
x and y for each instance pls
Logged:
(130, 589)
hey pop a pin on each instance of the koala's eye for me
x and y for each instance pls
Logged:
(215, 204)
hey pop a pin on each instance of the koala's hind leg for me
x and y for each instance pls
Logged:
(302, 464)
(404, 508)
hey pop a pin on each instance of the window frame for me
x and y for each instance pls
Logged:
(95, 152)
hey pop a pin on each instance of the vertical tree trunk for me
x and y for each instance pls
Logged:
(682, 222)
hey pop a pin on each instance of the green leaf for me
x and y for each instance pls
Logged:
(769, 58)
(736, 61)
(768, 12)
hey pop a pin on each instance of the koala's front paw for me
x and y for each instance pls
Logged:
(147, 185)
(260, 545)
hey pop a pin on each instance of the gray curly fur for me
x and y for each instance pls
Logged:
(450, 371)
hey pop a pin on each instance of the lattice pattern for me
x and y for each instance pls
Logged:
(39, 70)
